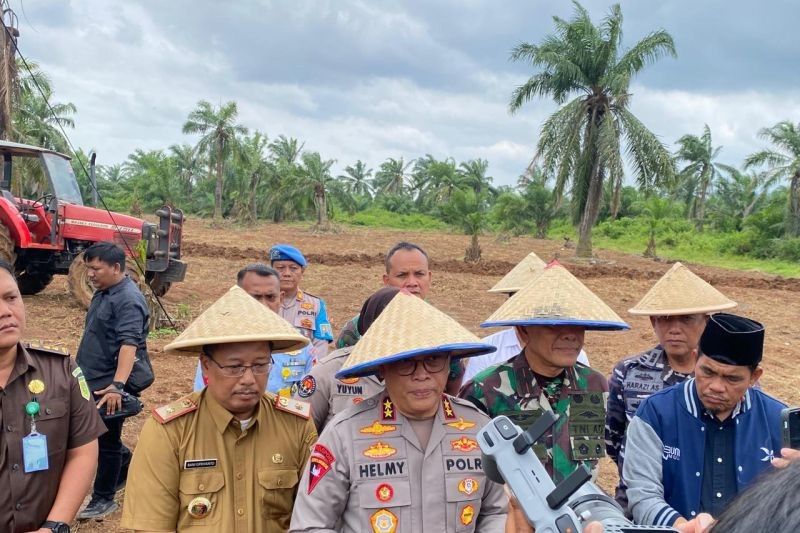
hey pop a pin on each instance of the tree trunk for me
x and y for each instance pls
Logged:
(616, 199)
(254, 179)
(651, 245)
(473, 253)
(701, 200)
(218, 188)
(793, 224)
(322, 211)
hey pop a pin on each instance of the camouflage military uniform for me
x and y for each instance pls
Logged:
(349, 335)
(631, 381)
(579, 395)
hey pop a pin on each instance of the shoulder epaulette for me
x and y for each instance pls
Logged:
(306, 293)
(51, 348)
(336, 354)
(171, 411)
(289, 405)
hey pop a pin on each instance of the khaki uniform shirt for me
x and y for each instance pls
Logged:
(368, 473)
(67, 418)
(200, 460)
(328, 395)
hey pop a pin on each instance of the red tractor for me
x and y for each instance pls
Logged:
(46, 234)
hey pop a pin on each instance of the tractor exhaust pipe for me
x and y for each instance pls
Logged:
(92, 178)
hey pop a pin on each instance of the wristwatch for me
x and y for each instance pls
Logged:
(119, 385)
(56, 527)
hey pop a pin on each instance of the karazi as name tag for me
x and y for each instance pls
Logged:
(34, 452)
(199, 463)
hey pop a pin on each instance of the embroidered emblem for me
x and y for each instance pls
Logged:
(384, 492)
(461, 424)
(467, 515)
(306, 323)
(377, 429)
(349, 381)
(388, 409)
(307, 387)
(199, 507)
(379, 450)
(36, 386)
(383, 521)
(468, 486)
(357, 401)
(448, 409)
(277, 458)
(320, 463)
(307, 305)
(464, 444)
(769, 455)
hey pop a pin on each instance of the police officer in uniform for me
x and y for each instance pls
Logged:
(406, 459)
(228, 458)
(263, 283)
(48, 442)
(551, 315)
(303, 310)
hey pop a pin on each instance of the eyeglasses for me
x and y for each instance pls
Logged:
(432, 364)
(237, 371)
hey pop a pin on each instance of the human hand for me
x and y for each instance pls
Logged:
(787, 456)
(696, 525)
(111, 398)
(516, 521)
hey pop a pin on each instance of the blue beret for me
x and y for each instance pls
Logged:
(284, 252)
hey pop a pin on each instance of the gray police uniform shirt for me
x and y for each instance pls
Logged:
(367, 472)
(329, 396)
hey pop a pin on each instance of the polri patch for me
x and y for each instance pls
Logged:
(321, 462)
(307, 387)
(199, 463)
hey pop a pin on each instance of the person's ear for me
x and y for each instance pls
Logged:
(756, 375)
(522, 335)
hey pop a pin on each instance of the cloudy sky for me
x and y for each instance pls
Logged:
(372, 79)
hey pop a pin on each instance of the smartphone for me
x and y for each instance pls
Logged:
(790, 424)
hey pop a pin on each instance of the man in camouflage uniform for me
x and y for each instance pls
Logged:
(678, 306)
(551, 315)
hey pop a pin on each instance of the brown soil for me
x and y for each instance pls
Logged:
(346, 267)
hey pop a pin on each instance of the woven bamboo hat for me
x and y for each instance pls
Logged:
(407, 328)
(556, 298)
(237, 317)
(520, 275)
(681, 292)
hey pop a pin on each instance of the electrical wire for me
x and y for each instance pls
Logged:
(86, 172)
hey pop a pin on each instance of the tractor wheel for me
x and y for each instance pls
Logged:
(33, 283)
(79, 286)
(8, 250)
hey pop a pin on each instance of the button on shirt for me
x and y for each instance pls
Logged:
(66, 418)
(117, 316)
(719, 470)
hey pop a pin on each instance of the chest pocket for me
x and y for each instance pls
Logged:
(464, 500)
(277, 492)
(587, 416)
(385, 505)
(195, 489)
(53, 422)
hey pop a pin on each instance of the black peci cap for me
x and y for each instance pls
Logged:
(733, 340)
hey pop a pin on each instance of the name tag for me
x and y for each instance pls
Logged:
(199, 463)
(34, 452)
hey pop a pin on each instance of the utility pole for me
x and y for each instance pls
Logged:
(8, 68)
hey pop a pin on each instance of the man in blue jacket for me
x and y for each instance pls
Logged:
(692, 447)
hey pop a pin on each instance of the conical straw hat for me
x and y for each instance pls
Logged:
(237, 317)
(409, 327)
(556, 298)
(520, 275)
(681, 292)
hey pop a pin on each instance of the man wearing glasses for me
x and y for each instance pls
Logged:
(678, 306)
(227, 458)
(407, 458)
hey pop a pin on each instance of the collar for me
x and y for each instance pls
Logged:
(695, 406)
(22, 364)
(222, 417)
(299, 296)
(445, 414)
(522, 369)
(117, 286)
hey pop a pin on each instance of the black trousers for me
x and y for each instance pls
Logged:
(113, 461)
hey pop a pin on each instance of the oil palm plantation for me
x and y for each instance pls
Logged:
(782, 161)
(219, 131)
(358, 179)
(584, 68)
(391, 176)
(701, 170)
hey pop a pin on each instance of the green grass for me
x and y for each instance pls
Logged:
(380, 218)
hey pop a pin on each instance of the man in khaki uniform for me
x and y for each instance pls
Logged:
(228, 458)
(406, 459)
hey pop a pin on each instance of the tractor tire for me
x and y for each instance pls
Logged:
(79, 286)
(33, 283)
(8, 250)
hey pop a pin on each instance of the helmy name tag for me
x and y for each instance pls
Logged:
(34, 452)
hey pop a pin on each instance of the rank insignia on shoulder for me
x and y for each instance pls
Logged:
(47, 347)
(383, 521)
(171, 411)
(377, 429)
(461, 424)
(387, 412)
(448, 409)
(296, 407)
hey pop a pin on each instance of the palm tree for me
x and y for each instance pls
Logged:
(654, 210)
(253, 169)
(219, 132)
(782, 162)
(474, 175)
(391, 176)
(699, 154)
(468, 210)
(315, 179)
(357, 179)
(41, 125)
(583, 140)
(188, 163)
